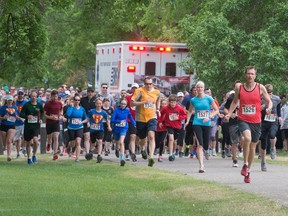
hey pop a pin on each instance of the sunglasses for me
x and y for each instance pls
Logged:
(148, 83)
(76, 100)
(104, 87)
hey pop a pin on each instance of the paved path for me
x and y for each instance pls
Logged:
(272, 184)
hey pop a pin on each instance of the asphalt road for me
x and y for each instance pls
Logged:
(272, 184)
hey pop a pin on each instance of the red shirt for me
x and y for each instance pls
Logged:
(250, 105)
(173, 116)
(132, 109)
(53, 108)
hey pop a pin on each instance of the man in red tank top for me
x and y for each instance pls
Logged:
(249, 116)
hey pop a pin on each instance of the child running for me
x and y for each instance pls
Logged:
(120, 127)
(172, 115)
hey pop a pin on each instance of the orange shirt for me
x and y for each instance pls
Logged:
(145, 112)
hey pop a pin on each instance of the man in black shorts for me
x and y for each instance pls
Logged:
(32, 112)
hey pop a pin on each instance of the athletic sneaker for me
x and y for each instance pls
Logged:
(176, 152)
(171, 158)
(214, 152)
(244, 170)
(73, 155)
(273, 153)
(48, 147)
(144, 154)
(34, 159)
(235, 163)
(133, 157)
(117, 152)
(99, 159)
(127, 157)
(8, 159)
(106, 153)
(89, 156)
(181, 154)
(263, 166)
(259, 157)
(77, 160)
(160, 159)
(18, 156)
(150, 162)
(247, 178)
(55, 156)
(201, 170)
(122, 162)
(206, 154)
(29, 161)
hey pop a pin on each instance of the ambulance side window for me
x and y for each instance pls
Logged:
(170, 69)
(150, 69)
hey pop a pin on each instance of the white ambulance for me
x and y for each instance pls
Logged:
(119, 64)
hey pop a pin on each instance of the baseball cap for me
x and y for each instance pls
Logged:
(180, 94)
(90, 89)
(9, 97)
(20, 91)
(67, 92)
(135, 85)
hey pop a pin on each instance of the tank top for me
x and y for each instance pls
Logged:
(250, 105)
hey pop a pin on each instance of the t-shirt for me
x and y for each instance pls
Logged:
(96, 120)
(145, 112)
(36, 111)
(53, 108)
(202, 110)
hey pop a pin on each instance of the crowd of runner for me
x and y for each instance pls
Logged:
(141, 120)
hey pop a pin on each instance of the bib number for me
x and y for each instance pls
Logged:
(33, 120)
(173, 117)
(11, 119)
(249, 110)
(146, 106)
(95, 126)
(76, 121)
(201, 114)
(270, 118)
(121, 124)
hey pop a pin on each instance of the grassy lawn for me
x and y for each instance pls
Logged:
(86, 188)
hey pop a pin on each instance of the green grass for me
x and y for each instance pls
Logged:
(86, 188)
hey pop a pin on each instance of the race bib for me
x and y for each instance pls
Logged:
(146, 106)
(121, 124)
(95, 126)
(11, 119)
(33, 120)
(173, 116)
(76, 121)
(201, 114)
(270, 118)
(249, 110)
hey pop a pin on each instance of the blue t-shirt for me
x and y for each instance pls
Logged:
(202, 110)
(12, 112)
(75, 116)
(19, 105)
(96, 120)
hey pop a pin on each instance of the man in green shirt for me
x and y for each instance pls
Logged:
(33, 114)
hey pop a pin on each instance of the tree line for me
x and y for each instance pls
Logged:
(50, 42)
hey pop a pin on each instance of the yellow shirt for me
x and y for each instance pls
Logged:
(145, 112)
